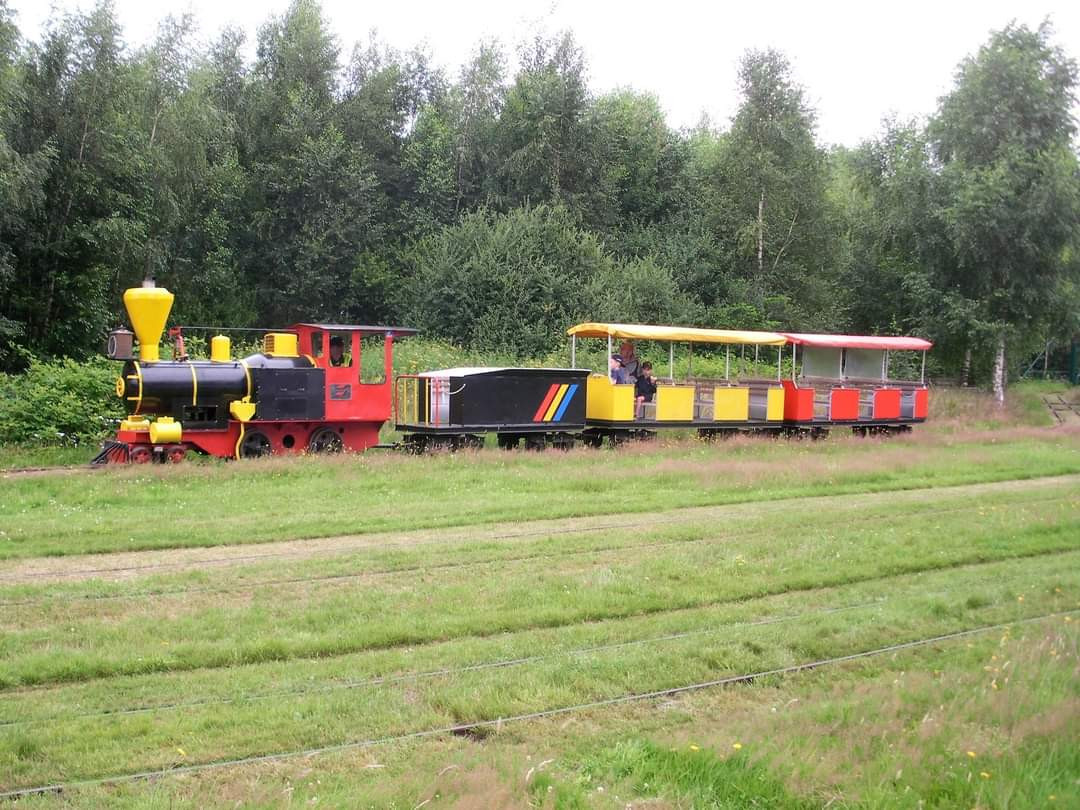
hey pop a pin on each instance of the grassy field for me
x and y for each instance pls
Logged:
(308, 632)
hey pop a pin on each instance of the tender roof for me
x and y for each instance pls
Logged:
(681, 334)
(396, 331)
(470, 371)
(892, 344)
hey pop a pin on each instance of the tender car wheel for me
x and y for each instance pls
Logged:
(254, 445)
(325, 440)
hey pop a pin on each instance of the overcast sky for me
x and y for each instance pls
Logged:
(859, 61)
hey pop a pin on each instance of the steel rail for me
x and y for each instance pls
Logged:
(462, 728)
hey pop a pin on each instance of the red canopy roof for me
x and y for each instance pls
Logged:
(892, 344)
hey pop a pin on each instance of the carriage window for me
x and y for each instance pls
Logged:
(316, 344)
(372, 359)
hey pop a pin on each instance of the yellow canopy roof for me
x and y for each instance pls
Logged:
(680, 334)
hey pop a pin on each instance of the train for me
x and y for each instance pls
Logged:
(328, 387)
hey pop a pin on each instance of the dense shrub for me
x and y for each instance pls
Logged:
(59, 402)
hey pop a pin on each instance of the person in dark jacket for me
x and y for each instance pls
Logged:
(337, 351)
(644, 388)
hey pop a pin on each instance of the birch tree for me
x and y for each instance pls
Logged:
(1002, 138)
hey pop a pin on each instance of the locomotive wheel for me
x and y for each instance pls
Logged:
(254, 445)
(140, 455)
(325, 440)
(175, 453)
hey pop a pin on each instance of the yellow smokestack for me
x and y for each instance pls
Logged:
(148, 308)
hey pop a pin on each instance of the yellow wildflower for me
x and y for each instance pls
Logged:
(181, 751)
(984, 774)
(971, 754)
(694, 747)
(737, 746)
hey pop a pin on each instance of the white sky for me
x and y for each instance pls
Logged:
(858, 61)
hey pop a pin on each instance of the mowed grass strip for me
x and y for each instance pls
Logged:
(89, 639)
(163, 507)
(35, 753)
(152, 573)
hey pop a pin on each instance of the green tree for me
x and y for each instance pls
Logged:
(1003, 139)
(508, 281)
(546, 146)
(637, 156)
(776, 179)
(22, 181)
(87, 235)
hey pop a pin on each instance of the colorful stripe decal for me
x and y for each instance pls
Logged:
(539, 415)
(566, 401)
(555, 402)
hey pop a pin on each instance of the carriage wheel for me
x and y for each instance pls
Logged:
(325, 440)
(254, 445)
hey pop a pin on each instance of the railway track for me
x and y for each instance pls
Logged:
(485, 724)
(32, 472)
(1063, 411)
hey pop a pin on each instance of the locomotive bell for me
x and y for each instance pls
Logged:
(148, 308)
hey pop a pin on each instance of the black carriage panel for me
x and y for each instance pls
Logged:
(493, 399)
(515, 397)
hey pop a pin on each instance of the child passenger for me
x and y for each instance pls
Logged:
(644, 388)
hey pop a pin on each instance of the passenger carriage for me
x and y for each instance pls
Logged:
(708, 404)
(845, 380)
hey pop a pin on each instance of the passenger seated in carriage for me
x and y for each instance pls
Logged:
(644, 389)
(616, 370)
(630, 363)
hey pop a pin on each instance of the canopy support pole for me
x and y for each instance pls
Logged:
(727, 364)
(794, 359)
(885, 367)
(922, 374)
(671, 361)
(756, 347)
(573, 351)
(779, 360)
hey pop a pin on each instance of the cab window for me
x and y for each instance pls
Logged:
(339, 353)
